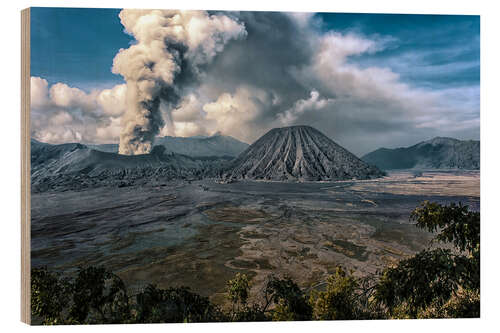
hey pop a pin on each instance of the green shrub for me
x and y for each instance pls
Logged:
(429, 282)
(49, 296)
(174, 305)
(289, 300)
(339, 300)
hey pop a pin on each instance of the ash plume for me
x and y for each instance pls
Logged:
(172, 47)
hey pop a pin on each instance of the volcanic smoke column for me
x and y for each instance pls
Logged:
(170, 45)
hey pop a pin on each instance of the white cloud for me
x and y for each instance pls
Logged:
(113, 101)
(61, 95)
(109, 133)
(207, 34)
(39, 92)
(61, 118)
(190, 109)
(314, 103)
(187, 119)
(63, 114)
(234, 114)
(185, 129)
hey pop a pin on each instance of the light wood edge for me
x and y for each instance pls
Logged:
(25, 169)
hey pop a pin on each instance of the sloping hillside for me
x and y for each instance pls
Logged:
(196, 146)
(75, 166)
(298, 153)
(438, 153)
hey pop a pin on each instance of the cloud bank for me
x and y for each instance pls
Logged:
(66, 114)
(241, 74)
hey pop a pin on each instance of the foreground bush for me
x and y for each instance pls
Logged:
(441, 282)
(174, 305)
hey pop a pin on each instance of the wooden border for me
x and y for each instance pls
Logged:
(25, 168)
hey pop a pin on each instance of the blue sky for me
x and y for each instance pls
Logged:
(427, 50)
(77, 45)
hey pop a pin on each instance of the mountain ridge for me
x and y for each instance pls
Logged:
(76, 166)
(435, 153)
(195, 146)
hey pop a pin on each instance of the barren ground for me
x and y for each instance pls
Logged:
(201, 233)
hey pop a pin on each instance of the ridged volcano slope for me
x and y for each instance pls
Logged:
(298, 153)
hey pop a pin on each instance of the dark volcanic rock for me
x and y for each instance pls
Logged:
(75, 166)
(44, 152)
(298, 153)
(438, 153)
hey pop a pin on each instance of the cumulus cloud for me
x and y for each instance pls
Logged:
(109, 132)
(187, 128)
(112, 101)
(189, 110)
(236, 114)
(64, 96)
(187, 119)
(61, 113)
(61, 118)
(39, 92)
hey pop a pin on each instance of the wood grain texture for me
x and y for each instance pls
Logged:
(25, 168)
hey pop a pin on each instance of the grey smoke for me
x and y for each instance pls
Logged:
(171, 48)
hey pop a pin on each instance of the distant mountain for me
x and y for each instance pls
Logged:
(195, 146)
(75, 166)
(438, 153)
(43, 152)
(105, 147)
(216, 145)
(298, 153)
